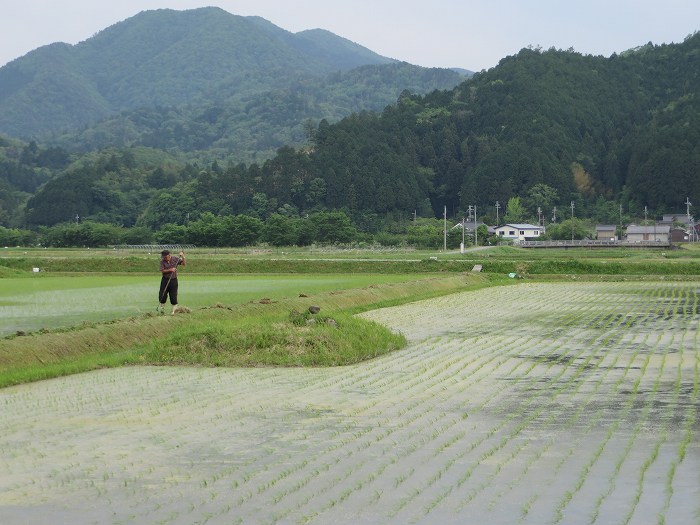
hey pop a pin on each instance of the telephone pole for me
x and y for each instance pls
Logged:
(444, 241)
(688, 204)
(620, 221)
(572, 221)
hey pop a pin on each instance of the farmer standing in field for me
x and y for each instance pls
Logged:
(168, 281)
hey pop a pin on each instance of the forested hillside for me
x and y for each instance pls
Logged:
(549, 127)
(251, 128)
(542, 129)
(198, 79)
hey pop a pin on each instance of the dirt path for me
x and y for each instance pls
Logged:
(540, 403)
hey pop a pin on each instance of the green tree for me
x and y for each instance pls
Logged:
(208, 230)
(241, 230)
(17, 237)
(170, 206)
(280, 230)
(333, 227)
(515, 211)
(564, 230)
(172, 234)
(427, 233)
(541, 196)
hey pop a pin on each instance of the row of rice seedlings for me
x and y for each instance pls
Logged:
(564, 387)
(500, 444)
(356, 436)
(418, 430)
(575, 447)
(633, 437)
(654, 453)
(689, 417)
(569, 423)
(512, 455)
(603, 343)
(612, 478)
(433, 436)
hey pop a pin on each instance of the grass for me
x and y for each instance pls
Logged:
(250, 334)
(271, 340)
(50, 301)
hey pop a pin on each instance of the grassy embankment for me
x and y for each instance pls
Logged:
(271, 333)
(683, 261)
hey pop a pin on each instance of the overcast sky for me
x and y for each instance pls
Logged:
(471, 34)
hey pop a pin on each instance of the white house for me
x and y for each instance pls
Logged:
(519, 232)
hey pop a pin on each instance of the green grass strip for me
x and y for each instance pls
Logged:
(252, 334)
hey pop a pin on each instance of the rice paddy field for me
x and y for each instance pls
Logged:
(541, 403)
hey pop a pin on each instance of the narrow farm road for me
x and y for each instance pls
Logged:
(538, 404)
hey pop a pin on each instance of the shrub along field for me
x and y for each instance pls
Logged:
(545, 402)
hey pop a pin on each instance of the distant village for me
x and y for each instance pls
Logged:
(673, 228)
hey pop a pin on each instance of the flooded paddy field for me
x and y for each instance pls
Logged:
(537, 403)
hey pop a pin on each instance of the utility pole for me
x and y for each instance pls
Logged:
(498, 207)
(463, 233)
(645, 236)
(444, 241)
(469, 212)
(620, 221)
(572, 221)
(690, 219)
(539, 217)
(554, 214)
(476, 235)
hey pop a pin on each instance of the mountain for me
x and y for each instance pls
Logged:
(167, 59)
(252, 127)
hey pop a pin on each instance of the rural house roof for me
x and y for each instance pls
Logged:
(659, 228)
(677, 217)
(519, 226)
